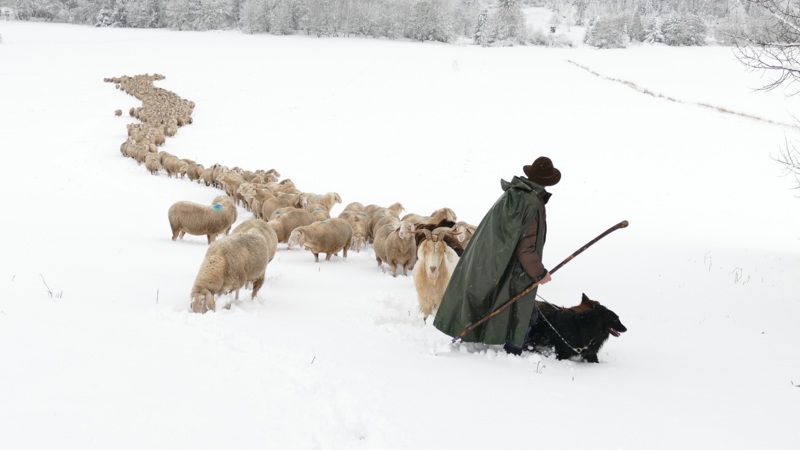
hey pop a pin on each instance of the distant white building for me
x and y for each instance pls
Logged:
(7, 14)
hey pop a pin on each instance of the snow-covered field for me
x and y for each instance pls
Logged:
(98, 347)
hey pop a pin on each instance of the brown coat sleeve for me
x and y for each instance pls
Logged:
(528, 256)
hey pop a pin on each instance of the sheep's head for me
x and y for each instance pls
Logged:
(302, 201)
(203, 301)
(298, 237)
(406, 229)
(397, 208)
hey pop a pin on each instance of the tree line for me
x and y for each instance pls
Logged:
(609, 23)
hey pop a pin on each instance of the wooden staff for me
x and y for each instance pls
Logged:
(497, 311)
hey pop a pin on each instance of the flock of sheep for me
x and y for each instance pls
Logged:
(428, 245)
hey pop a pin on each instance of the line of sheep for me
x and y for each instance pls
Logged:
(429, 245)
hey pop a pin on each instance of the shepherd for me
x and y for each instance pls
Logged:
(502, 260)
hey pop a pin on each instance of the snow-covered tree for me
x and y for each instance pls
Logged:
(651, 30)
(684, 29)
(508, 23)
(143, 13)
(430, 21)
(608, 32)
(482, 29)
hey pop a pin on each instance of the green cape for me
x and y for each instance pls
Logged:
(488, 274)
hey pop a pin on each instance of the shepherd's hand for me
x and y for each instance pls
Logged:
(546, 278)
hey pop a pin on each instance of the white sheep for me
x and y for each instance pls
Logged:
(286, 223)
(299, 200)
(435, 264)
(265, 229)
(152, 163)
(195, 172)
(324, 236)
(464, 232)
(175, 166)
(358, 222)
(379, 216)
(229, 265)
(326, 200)
(396, 246)
(196, 219)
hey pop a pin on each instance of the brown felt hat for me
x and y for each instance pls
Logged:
(542, 172)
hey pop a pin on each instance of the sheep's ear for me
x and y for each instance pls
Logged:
(451, 255)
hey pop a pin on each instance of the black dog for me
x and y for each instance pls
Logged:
(577, 331)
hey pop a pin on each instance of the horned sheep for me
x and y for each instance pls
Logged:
(324, 236)
(196, 219)
(434, 267)
(229, 265)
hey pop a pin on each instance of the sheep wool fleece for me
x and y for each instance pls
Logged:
(489, 274)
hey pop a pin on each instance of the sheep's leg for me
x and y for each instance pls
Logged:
(316, 257)
(328, 256)
(257, 285)
(344, 250)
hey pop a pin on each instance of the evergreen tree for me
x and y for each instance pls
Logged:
(651, 32)
(684, 29)
(481, 30)
(509, 23)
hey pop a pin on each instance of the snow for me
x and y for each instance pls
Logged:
(100, 351)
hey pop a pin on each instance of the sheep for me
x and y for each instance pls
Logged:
(319, 211)
(221, 199)
(285, 186)
(464, 232)
(229, 181)
(281, 211)
(195, 172)
(229, 265)
(256, 198)
(265, 228)
(358, 222)
(395, 245)
(326, 200)
(196, 219)
(435, 264)
(354, 206)
(175, 166)
(377, 213)
(284, 225)
(269, 205)
(152, 164)
(324, 236)
(118, 112)
(208, 175)
(438, 216)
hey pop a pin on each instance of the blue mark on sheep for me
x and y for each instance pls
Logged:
(217, 207)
